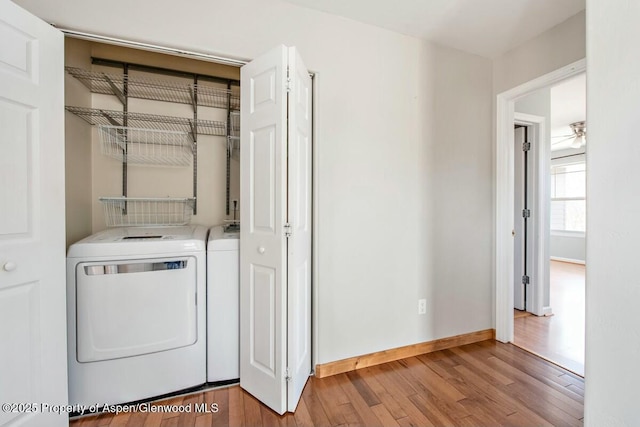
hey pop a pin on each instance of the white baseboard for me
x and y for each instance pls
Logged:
(573, 261)
(546, 311)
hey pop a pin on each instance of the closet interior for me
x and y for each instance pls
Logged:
(152, 139)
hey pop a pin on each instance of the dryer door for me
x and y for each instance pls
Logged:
(129, 308)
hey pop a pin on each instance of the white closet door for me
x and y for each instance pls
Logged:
(263, 203)
(275, 270)
(33, 356)
(299, 217)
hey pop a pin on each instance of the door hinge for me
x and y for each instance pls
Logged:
(525, 280)
(287, 375)
(526, 146)
(289, 84)
(287, 230)
(526, 213)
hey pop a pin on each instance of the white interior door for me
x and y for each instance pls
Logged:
(271, 301)
(520, 222)
(33, 359)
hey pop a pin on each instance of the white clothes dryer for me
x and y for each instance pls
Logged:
(223, 305)
(136, 313)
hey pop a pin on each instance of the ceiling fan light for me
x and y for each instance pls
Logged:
(578, 142)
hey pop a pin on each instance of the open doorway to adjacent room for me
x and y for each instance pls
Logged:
(550, 219)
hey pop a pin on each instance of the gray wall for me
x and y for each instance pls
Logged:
(568, 248)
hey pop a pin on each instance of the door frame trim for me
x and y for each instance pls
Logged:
(504, 188)
(539, 162)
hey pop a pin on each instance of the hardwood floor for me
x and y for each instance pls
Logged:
(559, 338)
(482, 384)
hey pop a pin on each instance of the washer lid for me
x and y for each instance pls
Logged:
(141, 241)
(221, 241)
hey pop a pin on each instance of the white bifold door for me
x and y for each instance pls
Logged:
(33, 349)
(275, 236)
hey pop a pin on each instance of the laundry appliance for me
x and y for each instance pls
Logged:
(223, 304)
(136, 313)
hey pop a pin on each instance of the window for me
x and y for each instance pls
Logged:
(568, 197)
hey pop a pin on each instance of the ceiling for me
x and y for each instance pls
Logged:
(487, 28)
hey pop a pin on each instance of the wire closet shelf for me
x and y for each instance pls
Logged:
(146, 146)
(158, 90)
(98, 117)
(146, 211)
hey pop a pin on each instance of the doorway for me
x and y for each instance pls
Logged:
(504, 225)
(549, 222)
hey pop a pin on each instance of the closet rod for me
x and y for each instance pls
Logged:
(161, 70)
(151, 47)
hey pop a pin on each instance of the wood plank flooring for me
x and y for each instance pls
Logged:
(559, 338)
(482, 384)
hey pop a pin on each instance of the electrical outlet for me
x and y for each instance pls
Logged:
(422, 306)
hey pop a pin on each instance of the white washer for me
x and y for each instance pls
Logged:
(136, 313)
(223, 305)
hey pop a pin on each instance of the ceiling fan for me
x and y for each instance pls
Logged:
(578, 136)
